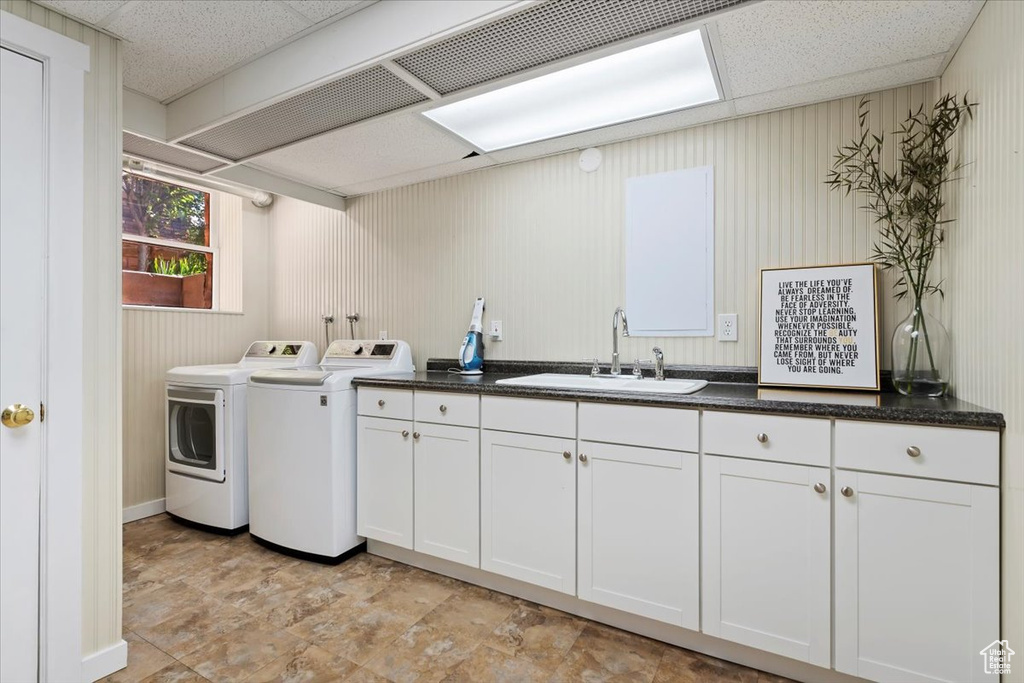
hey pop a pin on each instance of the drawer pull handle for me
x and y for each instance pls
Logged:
(567, 455)
(846, 491)
(405, 433)
(416, 435)
(762, 438)
(583, 458)
(380, 403)
(819, 488)
(914, 452)
(443, 408)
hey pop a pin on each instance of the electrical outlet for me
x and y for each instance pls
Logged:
(382, 335)
(495, 330)
(727, 327)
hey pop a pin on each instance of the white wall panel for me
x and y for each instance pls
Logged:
(984, 253)
(101, 467)
(544, 241)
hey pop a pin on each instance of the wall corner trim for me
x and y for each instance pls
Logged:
(143, 510)
(105, 662)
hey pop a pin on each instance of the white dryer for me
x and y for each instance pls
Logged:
(302, 449)
(205, 445)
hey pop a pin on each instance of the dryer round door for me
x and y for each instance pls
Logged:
(195, 432)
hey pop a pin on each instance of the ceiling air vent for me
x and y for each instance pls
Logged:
(338, 103)
(144, 148)
(545, 33)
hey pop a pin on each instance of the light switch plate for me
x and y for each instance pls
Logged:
(495, 330)
(727, 327)
(382, 335)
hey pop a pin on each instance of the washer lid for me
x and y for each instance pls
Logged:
(315, 377)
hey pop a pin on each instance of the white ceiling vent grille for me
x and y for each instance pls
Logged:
(338, 103)
(544, 33)
(145, 148)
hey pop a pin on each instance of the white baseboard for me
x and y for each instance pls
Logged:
(143, 510)
(105, 662)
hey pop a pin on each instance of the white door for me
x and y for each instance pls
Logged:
(528, 508)
(917, 578)
(447, 482)
(21, 341)
(384, 488)
(767, 546)
(639, 531)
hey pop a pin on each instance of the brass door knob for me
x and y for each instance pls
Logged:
(17, 415)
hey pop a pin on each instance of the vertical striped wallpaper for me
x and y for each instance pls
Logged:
(543, 241)
(156, 340)
(101, 467)
(985, 258)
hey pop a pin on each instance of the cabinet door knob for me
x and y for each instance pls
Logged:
(405, 433)
(443, 408)
(819, 487)
(415, 435)
(846, 491)
(914, 451)
(762, 438)
(380, 403)
(583, 458)
(567, 455)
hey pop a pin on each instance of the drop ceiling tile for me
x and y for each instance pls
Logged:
(176, 44)
(781, 43)
(376, 149)
(417, 176)
(319, 10)
(91, 11)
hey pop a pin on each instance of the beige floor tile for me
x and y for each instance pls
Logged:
(158, 604)
(423, 653)
(306, 664)
(240, 653)
(365, 676)
(606, 654)
(684, 665)
(175, 673)
(143, 659)
(243, 566)
(486, 664)
(542, 635)
(472, 612)
(207, 620)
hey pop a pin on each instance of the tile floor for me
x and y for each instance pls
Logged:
(199, 607)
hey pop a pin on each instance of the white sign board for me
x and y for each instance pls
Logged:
(819, 327)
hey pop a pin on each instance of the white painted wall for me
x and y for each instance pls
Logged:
(984, 279)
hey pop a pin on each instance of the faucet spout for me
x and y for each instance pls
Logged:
(619, 313)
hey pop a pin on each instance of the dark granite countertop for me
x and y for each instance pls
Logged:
(742, 396)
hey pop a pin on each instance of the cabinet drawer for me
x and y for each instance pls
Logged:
(447, 409)
(931, 452)
(667, 428)
(529, 416)
(393, 403)
(769, 437)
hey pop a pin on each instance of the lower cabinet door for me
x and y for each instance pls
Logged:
(447, 482)
(528, 508)
(384, 480)
(917, 578)
(766, 556)
(639, 526)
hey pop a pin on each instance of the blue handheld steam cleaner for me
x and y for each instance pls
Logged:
(471, 355)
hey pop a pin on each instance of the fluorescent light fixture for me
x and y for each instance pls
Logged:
(659, 77)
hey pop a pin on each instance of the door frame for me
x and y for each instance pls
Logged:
(65, 62)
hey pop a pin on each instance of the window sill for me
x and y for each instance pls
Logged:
(170, 309)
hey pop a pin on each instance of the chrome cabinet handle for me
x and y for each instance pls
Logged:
(416, 435)
(443, 408)
(846, 491)
(762, 438)
(819, 488)
(405, 433)
(914, 452)
(380, 403)
(583, 458)
(567, 455)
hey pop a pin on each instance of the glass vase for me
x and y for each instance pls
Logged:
(920, 355)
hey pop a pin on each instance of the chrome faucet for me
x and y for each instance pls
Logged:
(619, 313)
(659, 363)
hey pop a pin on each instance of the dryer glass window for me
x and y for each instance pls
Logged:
(193, 428)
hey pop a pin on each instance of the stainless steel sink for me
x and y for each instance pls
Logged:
(609, 383)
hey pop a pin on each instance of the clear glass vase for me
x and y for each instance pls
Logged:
(920, 355)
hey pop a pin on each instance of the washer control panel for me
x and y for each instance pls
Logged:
(377, 350)
(274, 349)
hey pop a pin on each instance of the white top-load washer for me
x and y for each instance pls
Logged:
(205, 445)
(302, 449)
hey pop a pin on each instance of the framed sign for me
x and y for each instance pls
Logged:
(819, 327)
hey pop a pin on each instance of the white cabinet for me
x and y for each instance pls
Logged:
(916, 577)
(528, 508)
(384, 474)
(447, 483)
(766, 556)
(639, 531)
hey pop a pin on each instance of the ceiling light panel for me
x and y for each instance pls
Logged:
(667, 75)
(545, 33)
(335, 104)
(145, 148)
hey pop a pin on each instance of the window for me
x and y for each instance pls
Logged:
(166, 253)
